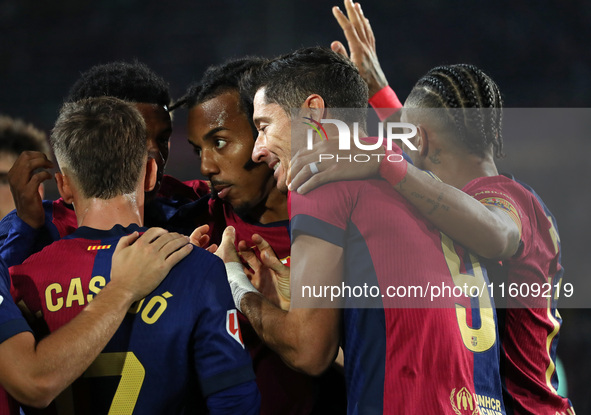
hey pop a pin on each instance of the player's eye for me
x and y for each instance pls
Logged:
(219, 144)
(197, 151)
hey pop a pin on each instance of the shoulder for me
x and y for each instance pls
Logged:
(504, 193)
(201, 265)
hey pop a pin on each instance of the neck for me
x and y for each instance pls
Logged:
(457, 170)
(103, 214)
(271, 209)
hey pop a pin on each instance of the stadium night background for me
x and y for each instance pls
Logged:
(537, 52)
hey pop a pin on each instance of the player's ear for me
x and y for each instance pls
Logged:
(315, 106)
(64, 187)
(151, 175)
(422, 141)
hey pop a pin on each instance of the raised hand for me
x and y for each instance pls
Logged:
(362, 45)
(24, 180)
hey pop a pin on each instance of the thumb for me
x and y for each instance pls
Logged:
(228, 237)
(227, 250)
(339, 48)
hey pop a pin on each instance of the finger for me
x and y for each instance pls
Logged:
(151, 235)
(212, 248)
(270, 260)
(263, 247)
(126, 241)
(39, 178)
(22, 189)
(175, 242)
(178, 255)
(355, 20)
(302, 177)
(158, 244)
(32, 161)
(203, 241)
(368, 30)
(316, 181)
(197, 235)
(250, 257)
(348, 29)
(228, 237)
(339, 48)
(301, 160)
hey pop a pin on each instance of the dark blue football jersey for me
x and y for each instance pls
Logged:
(175, 348)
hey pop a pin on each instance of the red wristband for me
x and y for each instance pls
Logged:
(385, 102)
(393, 166)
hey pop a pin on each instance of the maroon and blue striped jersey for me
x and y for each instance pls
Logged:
(176, 348)
(405, 352)
(529, 324)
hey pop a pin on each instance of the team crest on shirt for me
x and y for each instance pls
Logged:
(474, 341)
(233, 327)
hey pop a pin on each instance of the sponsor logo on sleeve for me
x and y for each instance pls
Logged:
(233, 327)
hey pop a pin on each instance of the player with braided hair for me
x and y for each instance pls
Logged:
(458, 113)
(477, 128)
(343, 232)
(528, 326)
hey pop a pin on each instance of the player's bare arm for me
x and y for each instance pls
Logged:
(36, 373)
(25, 177)
(485, 230)
(306, 338)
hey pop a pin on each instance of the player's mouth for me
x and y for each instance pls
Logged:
(222, 190)
(275, 167)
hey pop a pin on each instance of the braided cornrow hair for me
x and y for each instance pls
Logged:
(474, 100)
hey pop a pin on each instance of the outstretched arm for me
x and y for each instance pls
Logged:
(485, 230)
(36, 373)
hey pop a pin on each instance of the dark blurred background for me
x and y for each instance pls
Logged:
(537, 51)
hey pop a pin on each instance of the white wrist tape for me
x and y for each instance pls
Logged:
(239, 282)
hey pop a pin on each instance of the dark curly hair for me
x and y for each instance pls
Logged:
(128, 81)
(219, 79)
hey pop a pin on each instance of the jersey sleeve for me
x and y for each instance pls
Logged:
(501, 193)
(18, 240)
(11, 320)
(221, 359)
(324, 212)
(243, 399)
